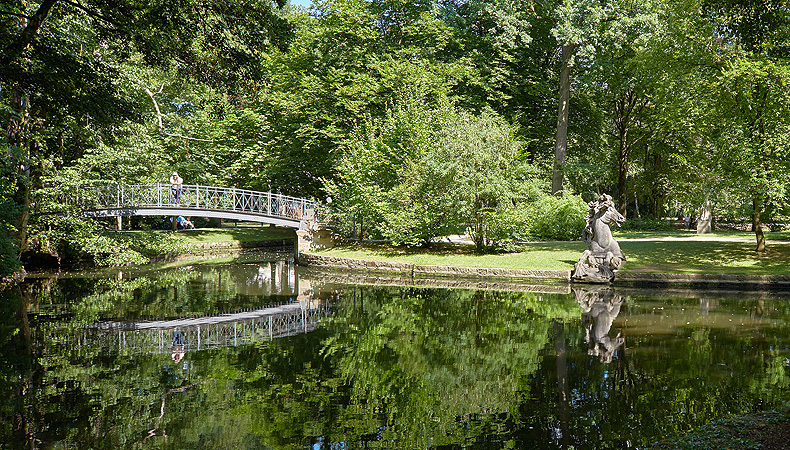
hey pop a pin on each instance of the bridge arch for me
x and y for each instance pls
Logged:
(111, 200)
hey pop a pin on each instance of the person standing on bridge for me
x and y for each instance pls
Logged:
(175, 186)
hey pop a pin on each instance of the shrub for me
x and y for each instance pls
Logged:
(545, 218)
(560, 219)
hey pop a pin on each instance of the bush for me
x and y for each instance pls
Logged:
(559, 219)
(8, 210)
(546, 218)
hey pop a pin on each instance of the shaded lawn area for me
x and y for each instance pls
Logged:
(770, 235)
(673, 256)
(726, 257)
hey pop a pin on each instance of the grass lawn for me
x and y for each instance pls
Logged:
(547, 256)
(722, 253)
(237, 234)
(727, 257)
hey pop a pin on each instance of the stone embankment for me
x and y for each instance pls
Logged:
(232, 249)
(621, 278)
(729, 280)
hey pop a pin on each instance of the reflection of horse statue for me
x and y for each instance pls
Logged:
(600, 307)
(597, 265)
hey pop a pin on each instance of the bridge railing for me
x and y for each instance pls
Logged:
(199, 197)
(202, 334)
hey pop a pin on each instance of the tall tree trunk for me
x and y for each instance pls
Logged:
(19, 128)
(757, 224)
(561, 146)
(622, 171)
(19, 152)
(625, 109)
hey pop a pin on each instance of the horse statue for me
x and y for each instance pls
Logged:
(597, 265)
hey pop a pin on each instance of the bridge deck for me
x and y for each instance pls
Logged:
(196, 212)
(195, 200)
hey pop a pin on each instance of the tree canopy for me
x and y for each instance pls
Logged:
(394, 108)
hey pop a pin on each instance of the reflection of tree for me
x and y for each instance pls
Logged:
(178, 292)
(670, 380)
(430, 358)
(410, 367)
(91, 396)
(415, 367)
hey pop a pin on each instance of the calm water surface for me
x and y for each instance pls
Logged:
(271, 356)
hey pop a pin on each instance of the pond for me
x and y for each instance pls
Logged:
(273, 356)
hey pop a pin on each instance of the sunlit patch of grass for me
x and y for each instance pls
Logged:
(710, 256)
(554, 256)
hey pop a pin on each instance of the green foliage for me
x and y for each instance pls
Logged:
(74, 92)
(8, 213)
(381, 178)
(480, 166)
(419, 118)
(78, 241)
(558, 218)
(423, 173)
(399, 366)
(545, 217)
(443, 354)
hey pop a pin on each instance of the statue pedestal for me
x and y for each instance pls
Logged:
(595, 268)
(584, 273)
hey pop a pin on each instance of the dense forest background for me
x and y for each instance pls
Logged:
(413, 118)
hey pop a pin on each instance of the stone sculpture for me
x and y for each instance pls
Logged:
(597, 265)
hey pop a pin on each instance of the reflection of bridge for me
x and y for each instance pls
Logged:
(202, 333)
(109, 200)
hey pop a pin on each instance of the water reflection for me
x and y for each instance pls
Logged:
(300, 311)
(600, 306)
(401, 366)
(178, 345)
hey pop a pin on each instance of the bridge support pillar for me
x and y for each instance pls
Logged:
(303, 243)
(307, 240)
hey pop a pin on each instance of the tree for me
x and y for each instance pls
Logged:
(596, 38)
(513, 52)
(480, 168)
(753, 104)
(70, 71)
(381, 179)
(9, 250)
(427, 171)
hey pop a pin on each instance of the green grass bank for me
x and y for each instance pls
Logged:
(673, 252)
(650, 252)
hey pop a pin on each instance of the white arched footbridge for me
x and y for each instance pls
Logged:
(111, 200)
